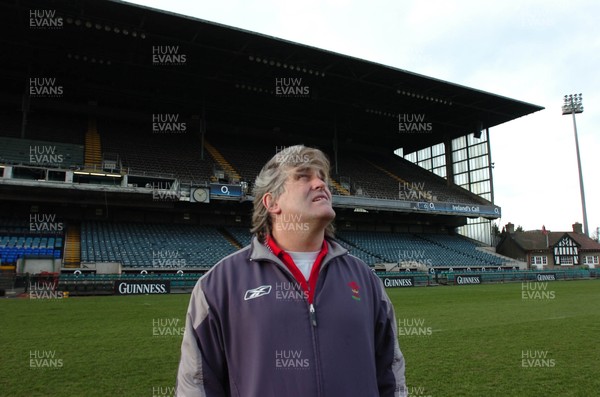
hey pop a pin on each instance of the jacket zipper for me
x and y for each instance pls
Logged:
(315, 340)
(313, 315)
(313, 319)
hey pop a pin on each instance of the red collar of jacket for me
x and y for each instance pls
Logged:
(308, 287)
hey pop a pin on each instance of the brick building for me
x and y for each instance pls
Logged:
(542, 249)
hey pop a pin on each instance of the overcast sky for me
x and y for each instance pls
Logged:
(533, 51)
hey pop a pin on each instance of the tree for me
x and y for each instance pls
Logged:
(596, 235)
(519, 229)
(495, 229)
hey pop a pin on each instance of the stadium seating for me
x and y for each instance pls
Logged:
(376, 177)
(361, 253)
(58, 132)
(464, 247)
(153, 245)
(54, 127)
(248, 161)
(16, 242)
(184, 246)
(145, 153)
(241, 234)
(424, 249)
(366, 180)
(178, 155)
(415, 175)
(19, 151)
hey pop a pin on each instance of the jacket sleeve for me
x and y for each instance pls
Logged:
(202, 367)
(389, 359)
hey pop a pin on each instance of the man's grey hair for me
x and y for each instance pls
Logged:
(273, 176)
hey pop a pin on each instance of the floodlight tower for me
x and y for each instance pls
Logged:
(574, 104)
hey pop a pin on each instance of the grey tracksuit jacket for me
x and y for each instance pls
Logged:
(249, 332)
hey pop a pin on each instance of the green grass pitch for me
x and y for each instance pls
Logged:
(482, 340)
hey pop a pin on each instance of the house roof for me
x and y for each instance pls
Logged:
(534, 240)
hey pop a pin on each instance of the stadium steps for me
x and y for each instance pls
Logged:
(396, 177)
(93, 148)
(229, 237)
(72, 247)
(342, 190)
(218, 157)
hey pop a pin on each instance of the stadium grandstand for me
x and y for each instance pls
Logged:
(130, 139)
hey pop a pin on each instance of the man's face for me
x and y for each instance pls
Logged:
(306, 198)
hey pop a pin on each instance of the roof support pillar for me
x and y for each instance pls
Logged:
(449, 162)
(335, 146)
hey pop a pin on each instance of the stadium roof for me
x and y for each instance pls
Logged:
(121, 59)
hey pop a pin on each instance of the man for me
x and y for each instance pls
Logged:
(293, 314)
